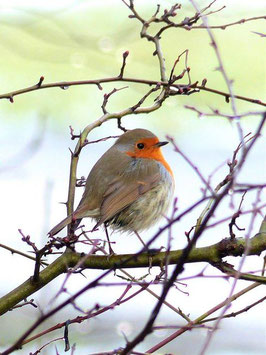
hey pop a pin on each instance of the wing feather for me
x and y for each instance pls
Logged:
(121, 194)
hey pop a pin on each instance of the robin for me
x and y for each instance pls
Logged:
(129, 188)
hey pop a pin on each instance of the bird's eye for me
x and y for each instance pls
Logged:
(140, 145)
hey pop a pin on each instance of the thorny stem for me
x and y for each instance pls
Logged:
(15, 251)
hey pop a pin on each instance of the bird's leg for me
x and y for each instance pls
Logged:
(72, 228)
(142, 242)
(139, 238)
(151, 252)
(74, 225)
(111, 252)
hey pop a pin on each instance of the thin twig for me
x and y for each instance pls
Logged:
(124, 79)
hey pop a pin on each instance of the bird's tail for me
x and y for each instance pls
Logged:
(63, 224)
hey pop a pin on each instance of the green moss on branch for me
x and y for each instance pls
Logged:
(211, 254)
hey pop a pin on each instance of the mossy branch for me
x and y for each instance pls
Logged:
(212, 254)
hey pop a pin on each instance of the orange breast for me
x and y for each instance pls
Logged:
(150, 151)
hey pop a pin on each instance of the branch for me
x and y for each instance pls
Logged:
(211, 254)
(224, 26)
(230, 271)
(148, 82)
(15, 251)
(234, 314)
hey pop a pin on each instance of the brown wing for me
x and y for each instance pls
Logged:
(121, 194)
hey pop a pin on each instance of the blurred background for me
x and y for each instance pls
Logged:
(78, 40)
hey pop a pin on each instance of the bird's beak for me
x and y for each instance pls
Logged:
(160, 144)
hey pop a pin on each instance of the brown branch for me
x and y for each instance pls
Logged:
(125, 55)
(234, 218)
(14, 251)
(25, 303)
(70, 259)
(229, 270)
(60, 266)
(226, 95)
(216, 113)
(96, 312)
(224, 26)
(100, 140)
(130, 80)
(107, 96)
(42, 347)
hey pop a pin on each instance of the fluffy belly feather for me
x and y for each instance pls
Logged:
(147, 210)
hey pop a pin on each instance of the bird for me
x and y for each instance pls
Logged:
(129, 188)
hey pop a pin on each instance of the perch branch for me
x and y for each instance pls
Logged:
(211, 254)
